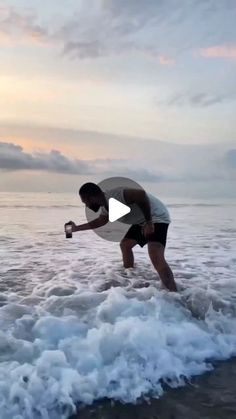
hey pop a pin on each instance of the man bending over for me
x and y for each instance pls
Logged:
(149, 220)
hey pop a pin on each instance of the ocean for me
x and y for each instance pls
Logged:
(81, 337)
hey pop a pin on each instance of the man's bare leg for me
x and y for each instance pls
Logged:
(126, 246)
(156, 252)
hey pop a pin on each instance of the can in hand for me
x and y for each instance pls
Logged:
(68, 230)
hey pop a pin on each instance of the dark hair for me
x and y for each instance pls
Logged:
(90, 189)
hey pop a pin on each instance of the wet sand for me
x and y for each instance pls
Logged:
(211, 396)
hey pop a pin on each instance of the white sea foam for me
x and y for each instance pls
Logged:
(76, 327)
(106, 345)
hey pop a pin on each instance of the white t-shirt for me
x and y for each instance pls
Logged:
(159, 212)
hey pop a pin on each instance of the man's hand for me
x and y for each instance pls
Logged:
(74, 227)
(148, 228)
(98, 222)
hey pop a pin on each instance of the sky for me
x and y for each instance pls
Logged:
(145, 89)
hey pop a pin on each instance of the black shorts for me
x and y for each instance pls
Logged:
(159, 235)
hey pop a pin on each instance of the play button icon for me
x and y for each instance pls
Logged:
(119, 214)
(117, 210)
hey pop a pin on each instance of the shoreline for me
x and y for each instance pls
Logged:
(209, 396)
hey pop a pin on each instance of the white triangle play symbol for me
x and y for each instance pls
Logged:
(116, 209)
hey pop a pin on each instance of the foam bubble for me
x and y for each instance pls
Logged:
(129, 346)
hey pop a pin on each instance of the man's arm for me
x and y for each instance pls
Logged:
(140, 198)
(98, 222)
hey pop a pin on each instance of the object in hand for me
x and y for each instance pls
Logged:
(68, 230)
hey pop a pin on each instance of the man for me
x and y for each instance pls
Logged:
(149, 219)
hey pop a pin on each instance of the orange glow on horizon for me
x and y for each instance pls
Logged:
(30, 145)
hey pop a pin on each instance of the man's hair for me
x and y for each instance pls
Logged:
(90, 189)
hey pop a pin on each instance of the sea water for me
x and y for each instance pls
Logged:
(76, 327)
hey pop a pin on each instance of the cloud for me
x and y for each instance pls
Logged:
(219, 51)
(123, 27)
(201, 99)
(13, 158)
(158, 162)
(84, 49)
(161, 29)
(139, 174)
(166, 60)
(20, 28)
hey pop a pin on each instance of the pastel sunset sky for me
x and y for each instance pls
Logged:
(145, 88)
